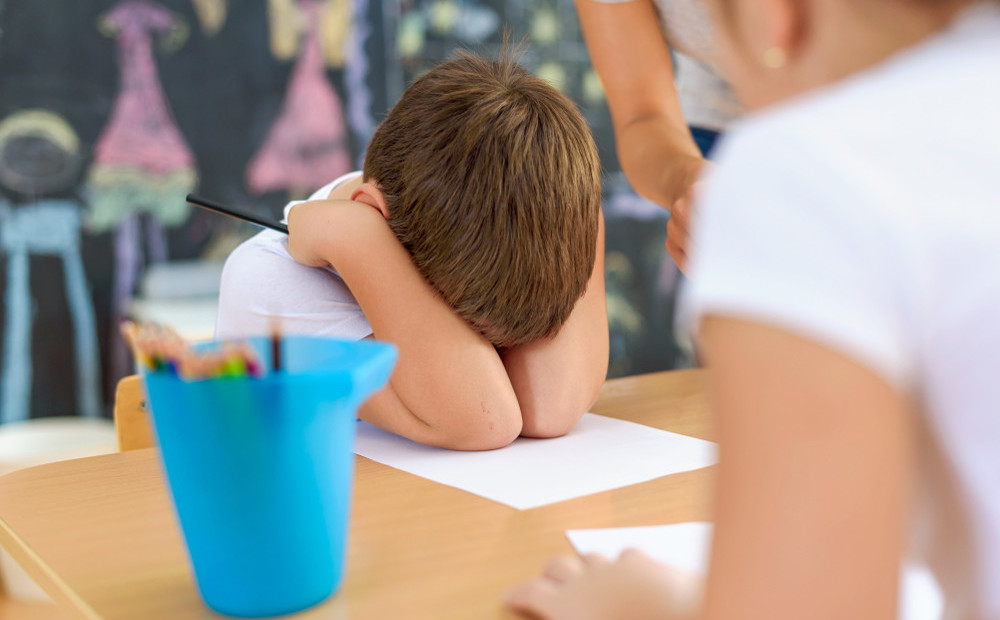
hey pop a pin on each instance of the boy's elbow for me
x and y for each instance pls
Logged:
(494, 430)
(554, 422)
(557, 414)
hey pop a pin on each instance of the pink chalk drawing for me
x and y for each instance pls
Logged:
(141, 161)
(308, 145)
(142, 167)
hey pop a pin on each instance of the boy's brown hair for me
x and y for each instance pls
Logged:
(492, 183)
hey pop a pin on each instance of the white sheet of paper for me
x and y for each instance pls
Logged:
(601, 453)
(687, 545)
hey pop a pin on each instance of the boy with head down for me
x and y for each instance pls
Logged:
(473, 240)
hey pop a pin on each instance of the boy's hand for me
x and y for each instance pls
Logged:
(633, 587)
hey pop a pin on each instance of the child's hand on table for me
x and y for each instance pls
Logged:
(633, 587)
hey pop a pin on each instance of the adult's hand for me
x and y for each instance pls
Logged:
(655, 147)
(679, 224)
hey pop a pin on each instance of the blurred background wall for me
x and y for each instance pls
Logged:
(111, 111)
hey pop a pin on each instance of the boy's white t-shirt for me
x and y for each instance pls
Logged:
(866, 217)
(262, 283)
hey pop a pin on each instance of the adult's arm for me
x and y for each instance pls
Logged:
(632, 58)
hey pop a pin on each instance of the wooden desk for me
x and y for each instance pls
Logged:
(99, 535)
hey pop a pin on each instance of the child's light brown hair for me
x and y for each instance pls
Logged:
(492, 183)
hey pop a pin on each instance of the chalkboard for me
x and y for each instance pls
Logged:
(111, 110)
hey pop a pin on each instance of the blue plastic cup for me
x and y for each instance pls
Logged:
(260, 470)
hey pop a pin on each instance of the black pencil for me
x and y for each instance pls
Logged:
(275, 348)
(239, 214)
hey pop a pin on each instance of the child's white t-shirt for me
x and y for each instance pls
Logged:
(262, 283)
(866, 217)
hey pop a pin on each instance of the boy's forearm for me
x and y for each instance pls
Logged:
(314, 231)
(557, 379)
(386, 410)
(449, 387)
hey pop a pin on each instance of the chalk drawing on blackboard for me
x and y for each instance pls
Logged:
(142, 167)
(544, 25)
(211, 15)
(411, 35)
(308, 144)
(465, 21)
(291, 21)
(39, 156)
(554, 73)
(141, 163)
(470, 22)
(284, 31)
(625, 322)
(40, 153)
(443, 15)
(359, 96)
(593, 90)
(335, 27)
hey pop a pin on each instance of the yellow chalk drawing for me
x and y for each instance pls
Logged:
(211, 14)
(334, 29)
(593, 90)
(545, 26)
(289, 22)
(287, 27)
(553, 73)
(410, 37)
(42, 123)
(444, 16)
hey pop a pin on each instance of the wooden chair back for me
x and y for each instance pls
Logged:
(132, 424)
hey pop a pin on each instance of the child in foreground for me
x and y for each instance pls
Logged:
(473, 240)
(846, 292)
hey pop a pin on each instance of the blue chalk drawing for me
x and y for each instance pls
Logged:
(45, 228)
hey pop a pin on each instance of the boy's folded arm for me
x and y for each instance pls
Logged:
(449, 388)
(557, 379)
(309, 227)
